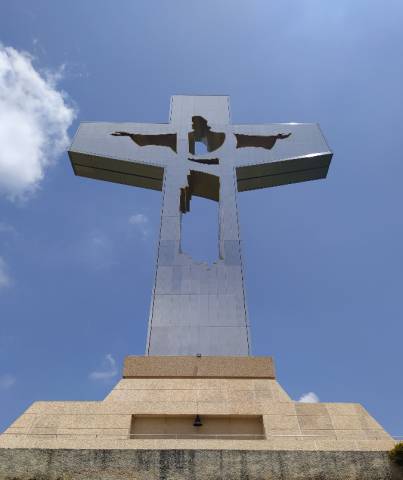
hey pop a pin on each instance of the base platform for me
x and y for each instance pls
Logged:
(191, 417)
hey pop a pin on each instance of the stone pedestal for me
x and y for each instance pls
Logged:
(144, 429)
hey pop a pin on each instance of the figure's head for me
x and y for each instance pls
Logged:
(200, 126)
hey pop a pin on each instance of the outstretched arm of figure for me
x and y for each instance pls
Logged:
(260, 141)
(279, 154)
(99, 150)
(160, 140)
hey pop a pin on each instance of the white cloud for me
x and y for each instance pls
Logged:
(309, 397)
(5, 279)
(34, 119)
(7, 381)
(140, 221)
(107, 371)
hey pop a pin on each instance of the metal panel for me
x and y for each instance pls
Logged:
(196, 307)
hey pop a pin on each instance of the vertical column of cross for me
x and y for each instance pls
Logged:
(230, 248)
(166, 310)
(196, 307)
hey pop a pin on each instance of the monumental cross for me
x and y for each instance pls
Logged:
(198, 308)
(198, 405)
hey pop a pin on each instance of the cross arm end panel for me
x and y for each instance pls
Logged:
(97, 153)
(280, 154)
(117, 171)
(283, 172)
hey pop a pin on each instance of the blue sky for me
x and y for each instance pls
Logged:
(323, 259)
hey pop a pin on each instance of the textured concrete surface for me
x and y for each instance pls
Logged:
(91, 440)
(20, 464)
(287, 425)
(192, 366)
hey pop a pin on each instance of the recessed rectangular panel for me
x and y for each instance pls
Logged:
(230, 427)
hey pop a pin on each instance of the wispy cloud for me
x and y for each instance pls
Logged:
(99, 250)
(309, 397)
(5, 279)
(7, 228)
(98, 240)
(7, 381)
(34, 118)
(107, 371)
(141, 223)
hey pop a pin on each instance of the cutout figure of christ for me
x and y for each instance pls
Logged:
(213, 140)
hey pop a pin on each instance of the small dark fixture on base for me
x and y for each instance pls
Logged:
(197, 422)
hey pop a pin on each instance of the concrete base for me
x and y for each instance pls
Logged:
(144, 428)
(52, 464)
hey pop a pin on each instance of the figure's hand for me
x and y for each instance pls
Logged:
(119, 134)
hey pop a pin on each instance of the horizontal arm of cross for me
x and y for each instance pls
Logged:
(98, 152)
(299, 154)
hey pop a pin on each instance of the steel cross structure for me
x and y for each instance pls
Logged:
(198, 308)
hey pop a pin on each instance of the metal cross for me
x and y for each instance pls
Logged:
(198, 308)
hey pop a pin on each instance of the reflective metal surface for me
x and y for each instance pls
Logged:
(196, 307)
